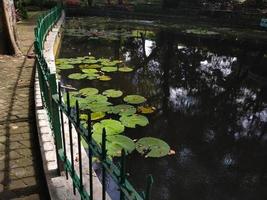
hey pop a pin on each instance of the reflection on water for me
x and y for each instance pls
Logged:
(209, 109)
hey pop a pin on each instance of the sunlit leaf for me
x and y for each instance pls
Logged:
(104, 78)
(146, 109)
(88, 91)
(134, 99)
(152, 147)
(77, 76)
(109, 69)
(123, 109)
(112, 127)
(125, 69)
(112, 93)
(133, 120)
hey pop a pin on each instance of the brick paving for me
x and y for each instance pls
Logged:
(21, 173)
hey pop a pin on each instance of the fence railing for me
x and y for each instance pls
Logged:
(57, 110)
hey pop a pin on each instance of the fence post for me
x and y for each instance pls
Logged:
(55, 117)
(104, 155)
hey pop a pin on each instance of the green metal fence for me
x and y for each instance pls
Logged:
(56, 108)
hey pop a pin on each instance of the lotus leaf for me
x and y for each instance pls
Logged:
(152, 147)
(112, 127)
(123, 109)
(91, 61)
(99, 107)
(146, 109)
(108, 63)
(125, 69)
(134, 99)
(103, 60)
(104, 78)
(116, 143)
(65, 66)
(77, 76)
(92, 78)
(112, 93)
(133, 120)
(89, 71)
(73, 98)
(96, 98)
(88, 91)
(94, 116)
(109, 69)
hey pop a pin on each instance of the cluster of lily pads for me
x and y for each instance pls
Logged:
(130, 113)
(92, 68)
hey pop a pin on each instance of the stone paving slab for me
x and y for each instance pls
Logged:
(21, 172)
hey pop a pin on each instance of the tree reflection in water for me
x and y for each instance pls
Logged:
(208, 109)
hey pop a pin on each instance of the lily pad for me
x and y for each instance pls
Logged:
(89, 71)
(115, 144)
(133, 120)
(65, 66)
(108, 63)
(152, 147)
(90, 61)
(88, 91)
(134, 99)
(125, 69)
(73, 98)
(104, 78)
(94, 116)
(77, 76)
(123, 109)
(112, 127)
(146, 109)
(112, 93)
(109, 69)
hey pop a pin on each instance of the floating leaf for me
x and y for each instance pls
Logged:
(108, 63)
(77, 76)
(112, 127)
(91, 61)
(152, 147)
(104, 78)
(133, 120)
(123, 109)
(73, 98)
(109, 69)
(125, 69)
(94, 116)
(134, 99)
(88, 91)
(96, 98)
(146, 109)
(103, 60)
(86, 66)
(112, 93)
(89, 71)
(65, 66)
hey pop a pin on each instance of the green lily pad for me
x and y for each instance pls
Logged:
(90, 61)
(109, 69)
(112, 93)
(115, 144)
(112, 127)
(92, 78)
(133, 120)
(104, 78)
(94, 116)
(88, 91)
(123, 109)
(77, 76)
(152, 147)
(134, 99)
(73, 98)
(65, 66)
(108, 63)
(96, 98)
(103, 60)
(125, 69)
(90, 71)
(100, 107)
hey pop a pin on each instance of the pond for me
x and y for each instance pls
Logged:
(209, 102)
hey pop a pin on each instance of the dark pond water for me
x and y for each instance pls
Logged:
(211, 109)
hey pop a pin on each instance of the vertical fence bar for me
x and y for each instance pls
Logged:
(71, 143)
(122, 173)
(90, 156)
(148, 187)
(63, 129)
(79, 146)
(104, 155)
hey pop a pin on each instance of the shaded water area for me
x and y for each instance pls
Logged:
(210, 102)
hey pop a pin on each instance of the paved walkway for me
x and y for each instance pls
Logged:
(21, 170)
